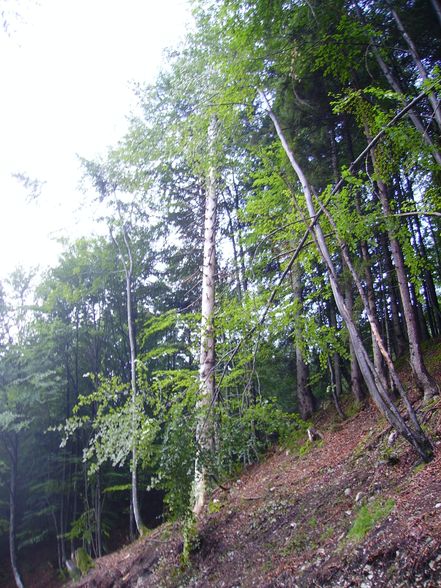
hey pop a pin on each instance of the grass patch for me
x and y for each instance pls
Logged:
(368, 516)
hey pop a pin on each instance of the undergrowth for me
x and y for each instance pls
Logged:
(368, 516)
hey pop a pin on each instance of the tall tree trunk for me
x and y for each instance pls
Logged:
(207, 353)
(334, 365)
(379, 394)
(13, 451)
(433, 308)
(422, 377)
(437, 8)
(378, 359)
(98, 509)
(127, 262)
(419, 65)
(305, 397)
(356, 383)
(132, 343)
(396, 86)
(399, 337)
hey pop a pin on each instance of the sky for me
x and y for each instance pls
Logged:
(66, 69)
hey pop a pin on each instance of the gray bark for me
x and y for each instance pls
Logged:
(305, 397)
(132, 344)
(399, 336)
(419, 65)
(422, 377)
(128, 270)
(396, 86)
(373, 382)
(13, 450)
(207, 353)
(356, 383)
(437, 8)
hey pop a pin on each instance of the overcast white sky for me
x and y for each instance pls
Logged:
(65, 72)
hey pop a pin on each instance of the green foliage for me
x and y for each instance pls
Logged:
(83, 527)
(83, 560)
(118, 424)
(368, 516)
(245, 432)
(175, 469)
(191, 539)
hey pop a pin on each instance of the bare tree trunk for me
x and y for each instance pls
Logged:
(305, 397)
(396, 86)
(135, 501)
(437, 8)
(97, 508)
(356, 384)
(334, 366)
(378, 359)
(419, 65)
(207, 354)
(399, 337)
(379, 394)
(422, 377)
(13, 451)
(127, 263)
(433, 309)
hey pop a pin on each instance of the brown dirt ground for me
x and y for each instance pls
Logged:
(285, 521)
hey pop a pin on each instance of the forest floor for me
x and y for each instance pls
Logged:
(287, 521)
(349, 510)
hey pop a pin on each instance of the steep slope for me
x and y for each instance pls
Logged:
(287, 521)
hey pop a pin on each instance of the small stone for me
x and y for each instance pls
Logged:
(432, 565)
(272, 489)
(348, 512)
(438, 505)
(347, 492)
(359, 496)
(392, 438)
(293, 525)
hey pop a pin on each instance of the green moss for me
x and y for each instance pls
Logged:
(368, 516)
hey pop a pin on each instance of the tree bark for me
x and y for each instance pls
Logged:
(13, 451)
(207, 353)
(422, 377)
(376, 389)
(419, 65)
(128, 271)
(334, 366)
(399, 336)
(437, 8)
(132, 344)
(305, 397)
(356, 383)
(396, 86)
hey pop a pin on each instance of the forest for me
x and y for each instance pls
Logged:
(270, 247)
